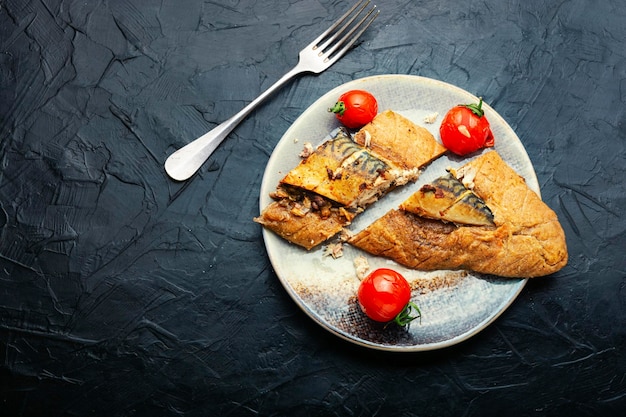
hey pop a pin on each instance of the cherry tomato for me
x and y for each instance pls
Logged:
(465, 129)
(384, 295)
(355, 108)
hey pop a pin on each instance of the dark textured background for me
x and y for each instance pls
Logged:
(123, 293)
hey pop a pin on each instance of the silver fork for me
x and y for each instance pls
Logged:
(320, 54)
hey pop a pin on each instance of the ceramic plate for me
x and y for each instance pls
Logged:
(455, 305)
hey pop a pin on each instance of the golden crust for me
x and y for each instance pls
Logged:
(394, 138)
(307, 230)
(527, 240)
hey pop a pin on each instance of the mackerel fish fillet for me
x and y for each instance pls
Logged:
(447, 199)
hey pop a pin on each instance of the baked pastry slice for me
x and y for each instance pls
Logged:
(525, 238)
(344, 175)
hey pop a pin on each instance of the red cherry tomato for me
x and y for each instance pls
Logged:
(465, 129)
(355, 108)
(384, 295)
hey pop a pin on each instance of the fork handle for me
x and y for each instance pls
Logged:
(183, 163)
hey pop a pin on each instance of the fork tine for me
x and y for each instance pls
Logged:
(330, 36)
(334, 53)
(317, 40)
(315, 44)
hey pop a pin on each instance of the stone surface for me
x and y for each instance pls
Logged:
(125, 293)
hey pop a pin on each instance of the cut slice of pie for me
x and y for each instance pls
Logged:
(344, 175)
(518, 236)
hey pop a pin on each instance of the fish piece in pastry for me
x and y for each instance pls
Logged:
(345, 172)
(447, 199)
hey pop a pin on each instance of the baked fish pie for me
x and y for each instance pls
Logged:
(344, 175)
(525, 239)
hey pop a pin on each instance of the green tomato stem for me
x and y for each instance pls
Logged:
(339, 108)
(404, 317)
(477, 109)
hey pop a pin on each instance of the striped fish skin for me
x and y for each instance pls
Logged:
(446, 198)
(342, 171)
(358, 159)
(468, 198)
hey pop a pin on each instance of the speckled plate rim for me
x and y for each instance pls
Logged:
(314, 124)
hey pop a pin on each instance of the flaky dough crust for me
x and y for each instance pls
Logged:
(527, 240)
(396, 139)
